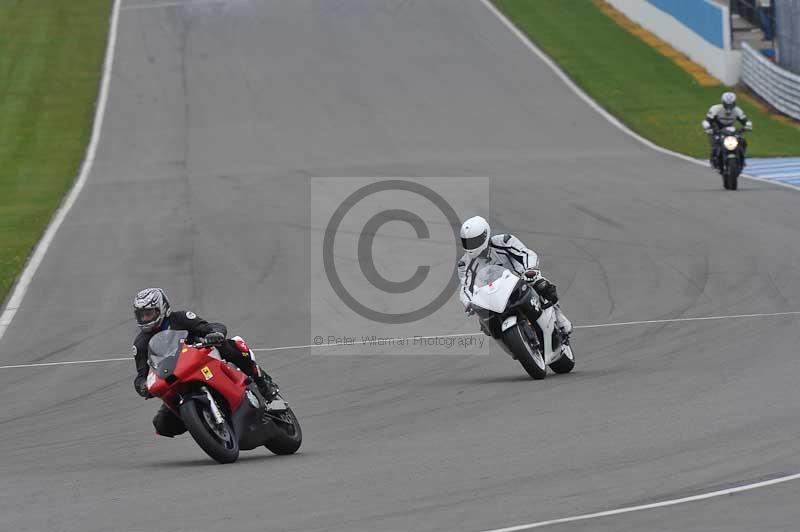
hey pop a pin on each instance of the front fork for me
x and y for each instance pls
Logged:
(212, 405)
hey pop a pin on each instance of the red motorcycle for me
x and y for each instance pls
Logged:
(221, 407)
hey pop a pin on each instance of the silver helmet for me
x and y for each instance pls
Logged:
(728, 100)
(150, 307)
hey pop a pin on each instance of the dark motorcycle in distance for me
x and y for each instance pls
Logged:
(730, 155)
(221, 407)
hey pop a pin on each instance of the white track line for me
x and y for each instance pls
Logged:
(24, 280)
(597, 107)
(460, 335)
(187, 3)
(662, 504)
(69, 363)
(676, 320)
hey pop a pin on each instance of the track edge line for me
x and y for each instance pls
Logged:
(20, 288)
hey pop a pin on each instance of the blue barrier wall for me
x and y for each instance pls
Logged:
(702, 17)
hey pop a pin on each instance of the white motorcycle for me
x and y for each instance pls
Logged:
(497, 297)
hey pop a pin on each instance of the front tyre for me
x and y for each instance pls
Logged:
(530, 358)
(289, 436)
(732, 174)
(219, 442)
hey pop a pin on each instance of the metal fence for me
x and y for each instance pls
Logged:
(787, 34)
(778, 87)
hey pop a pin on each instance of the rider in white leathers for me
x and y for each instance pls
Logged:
(723, 115)
(481, 249)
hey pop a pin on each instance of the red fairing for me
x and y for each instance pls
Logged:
(241, 345)
(196, 366)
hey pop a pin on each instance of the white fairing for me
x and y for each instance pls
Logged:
(547, 322)
(494, 294)
(493, 288)
(508, 323)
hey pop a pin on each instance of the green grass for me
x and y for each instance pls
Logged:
(645, 90)
(51, 54)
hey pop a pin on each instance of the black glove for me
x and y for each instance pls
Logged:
(546, 290)
(140, 385)
(214, 338)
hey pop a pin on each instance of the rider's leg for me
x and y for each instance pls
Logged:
(563, 323)
(167, 423)
(245, 362)
(744, 152)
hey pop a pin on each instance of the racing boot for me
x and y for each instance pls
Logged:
(563, 324)
(266, 385)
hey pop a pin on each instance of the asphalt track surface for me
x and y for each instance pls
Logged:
(218, 114)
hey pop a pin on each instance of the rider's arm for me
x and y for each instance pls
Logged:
(710, 121)
(741, 117)
(463, 295)
(139, 352)
(521, 256)
(196, 326)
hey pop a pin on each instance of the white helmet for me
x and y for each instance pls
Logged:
(728, 100)
(475, 234)
(150, 306)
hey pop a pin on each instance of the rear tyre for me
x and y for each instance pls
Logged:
(219, 442)
(566, 362)
(530, 358)
(290, 435)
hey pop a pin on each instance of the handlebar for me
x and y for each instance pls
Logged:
(722, 132)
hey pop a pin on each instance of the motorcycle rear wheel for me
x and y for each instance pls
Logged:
(290, 435)
(566, 362)
(531, 359)
(220, 443)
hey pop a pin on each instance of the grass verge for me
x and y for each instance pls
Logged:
(645, 90)
(51, 55)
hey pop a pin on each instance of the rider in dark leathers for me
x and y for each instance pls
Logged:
(153, 315)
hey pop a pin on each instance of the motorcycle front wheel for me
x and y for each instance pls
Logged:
(218, 441)
(730, 179)
(531, 359)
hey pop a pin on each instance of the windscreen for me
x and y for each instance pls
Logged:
(488, 275)
(164, 345)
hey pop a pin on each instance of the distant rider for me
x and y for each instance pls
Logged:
(482, 249)
(720, 116)
(153, 315)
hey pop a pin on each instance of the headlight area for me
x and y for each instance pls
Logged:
(730, 143)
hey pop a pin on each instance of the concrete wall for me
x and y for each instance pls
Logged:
(698, 28)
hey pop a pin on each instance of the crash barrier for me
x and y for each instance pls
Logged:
(700, 29)
(778, 87)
